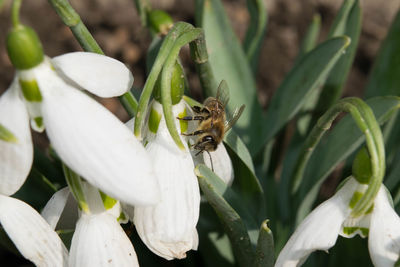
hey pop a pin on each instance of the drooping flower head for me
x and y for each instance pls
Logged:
(86, 136)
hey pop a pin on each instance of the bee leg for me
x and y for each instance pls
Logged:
(194, 133)
(212, 165)
(191, 118)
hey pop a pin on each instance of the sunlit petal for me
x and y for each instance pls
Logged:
(384, 233)
(15, 158)
(320, 228)
(169, 228)
(100, 241)
(100, 75)
(95, 144)
(220, 161)
(55, 207)
(31, 234)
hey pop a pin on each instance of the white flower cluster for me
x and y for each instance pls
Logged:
(157, 180)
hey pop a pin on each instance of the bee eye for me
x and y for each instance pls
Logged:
(208, 138)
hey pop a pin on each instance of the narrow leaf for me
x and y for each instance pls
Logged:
(348, 22)
(229, 62)
(385, 75)
(265, 247)
(255, 32)
(305, 77)
(232, 222)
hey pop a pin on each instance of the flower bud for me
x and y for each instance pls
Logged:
(177, 85)
(159, 21)
(361, 169)
(24, 48)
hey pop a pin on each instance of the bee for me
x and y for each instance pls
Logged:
(213, 123)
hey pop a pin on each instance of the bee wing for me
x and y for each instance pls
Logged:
(223, 92)
(235, 116)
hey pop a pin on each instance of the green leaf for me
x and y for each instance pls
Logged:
(246, 183)
(305, 77)
(213, 188)
(385, 74)
(236, 144)
(7, 135)
(311, 37)
(265, 247)
(347, 22)
(344, 139)
(255, 32)
(229, 63)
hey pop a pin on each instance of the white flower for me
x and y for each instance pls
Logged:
(321, 227)
(99, 240)
(86, 136)
(31, 234)
(221, 162)
(169, 228)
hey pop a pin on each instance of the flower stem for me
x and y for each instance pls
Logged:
(199, 54)
(74, 182)
(166, 76)
(168, 43)
(365, 120)
(88, 43)
(15, 13)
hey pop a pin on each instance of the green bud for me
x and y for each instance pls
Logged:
(159, 21)
(177, 85)
(362, 170)
(24, 48)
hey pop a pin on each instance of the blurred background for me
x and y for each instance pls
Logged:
(116, 27)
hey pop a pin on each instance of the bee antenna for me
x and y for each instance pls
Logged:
(212, 165)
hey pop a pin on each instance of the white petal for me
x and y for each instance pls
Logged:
(169, 228)
(15, 158)
(31, 234)
(320, 228)
(100, 241)
(384, 232)
(100, 75)
(55, 207)
(95, 144)
(220, 161)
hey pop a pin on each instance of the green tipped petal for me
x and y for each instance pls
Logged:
(154, 120)
(24, 48)
(7, 135)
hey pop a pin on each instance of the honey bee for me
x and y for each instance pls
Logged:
(213, 123)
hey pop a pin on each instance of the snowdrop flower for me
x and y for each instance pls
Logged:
(19, 220)
(220, 161)
(169, 228)
(321, 227)
(87, 137)
(99, 240)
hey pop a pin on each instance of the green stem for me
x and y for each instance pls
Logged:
(166, 76)
(15, 13)
(142, 7)
(199, 55)
(74, 182)
(87, 42)
(165, 48)
(365, 120)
